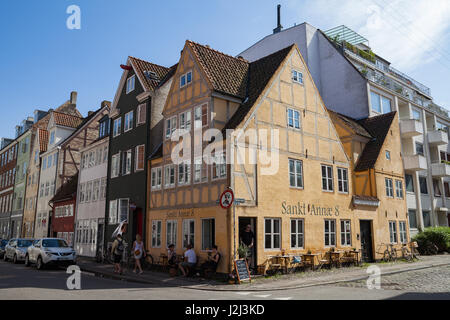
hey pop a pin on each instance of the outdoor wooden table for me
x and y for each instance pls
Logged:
(311, 257)
(356, 253)
(286, 259)
(335, 258)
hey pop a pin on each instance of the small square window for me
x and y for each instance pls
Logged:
(297, 76)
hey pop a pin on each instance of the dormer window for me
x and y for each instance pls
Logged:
(130, 83)
(52, 137)
(185, 79)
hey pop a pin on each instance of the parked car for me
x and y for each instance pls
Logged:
(50, 251)
(16, 249)
(3, 243)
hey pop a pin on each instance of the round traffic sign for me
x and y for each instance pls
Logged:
(226, 199)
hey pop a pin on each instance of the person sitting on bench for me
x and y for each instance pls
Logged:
(213, 261)
(190, 260)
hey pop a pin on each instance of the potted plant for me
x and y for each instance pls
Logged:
(309, 252)
(243, 251)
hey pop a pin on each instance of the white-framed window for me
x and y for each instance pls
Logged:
(208, 233)
(297, 233)
(105, 154)
(156, 233)
(416, 114)
(91, 158)
(131, 81)
(126, 162)
(171, 232)
(389, 188)
(393, 231)
(402, 231)
(296, 173)
(346, 233)
(47, 188)
(330, 233)
(184, 173)
(113, 212)
(169, 176)
(171, 126)
(379, 103)
(128, 125)
(272, 233)
(188, 232)
(342, 180)
(82, 192)
(156, 178)
(140, 158)
(219, 166)
(52, 137)
(89, 191)
(117, 127)
(141, 114)
(399, 189)
(185, 120)
(95, 190)
(185, 79)
(327, 178)
(115, 165)
(124, 206)
(297, 76)
(201, 116)
(293, 118)
(103, 189)
(200, 170)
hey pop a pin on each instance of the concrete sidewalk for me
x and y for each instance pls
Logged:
(281, 282)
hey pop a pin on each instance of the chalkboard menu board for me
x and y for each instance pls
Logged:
(242, 271)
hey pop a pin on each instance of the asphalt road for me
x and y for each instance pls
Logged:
(20, 282)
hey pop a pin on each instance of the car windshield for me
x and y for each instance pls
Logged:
(54, 243)
(24, 243)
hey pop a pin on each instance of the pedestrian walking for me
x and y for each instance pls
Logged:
(139, 252)
(117, 252)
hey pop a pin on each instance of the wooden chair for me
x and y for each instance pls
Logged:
(324, 261)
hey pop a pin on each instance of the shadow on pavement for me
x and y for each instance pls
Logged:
(422, 296)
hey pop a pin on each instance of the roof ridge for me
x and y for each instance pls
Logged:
(157, 65)
(68, 114)
(217, 51)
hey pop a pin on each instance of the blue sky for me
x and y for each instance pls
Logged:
(42, 61)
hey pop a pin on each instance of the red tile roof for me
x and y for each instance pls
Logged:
(43, 139)
(140, 66)
(66, 120)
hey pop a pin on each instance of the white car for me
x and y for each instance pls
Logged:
(50, 251)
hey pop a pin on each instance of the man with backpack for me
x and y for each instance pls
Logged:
(117, 252)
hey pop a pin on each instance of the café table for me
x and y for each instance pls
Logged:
(335, 258)
(309, 259)
(356, 254)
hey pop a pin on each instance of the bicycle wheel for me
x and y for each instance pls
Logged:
(147, 262)
(386, 256)
(394, 254)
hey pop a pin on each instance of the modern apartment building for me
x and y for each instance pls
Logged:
(357, 83)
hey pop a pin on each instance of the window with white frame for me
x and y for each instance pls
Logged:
(117, 127)
(185, 120)
(184, 173)
(393, 231)
(171, 126)
(115, 165)
(295, 173)
(200, 170)
(141, 114)
(140, 158)
(297, 76)
(89, 191)
(82, 192)
(416, 114)
(128, 125)
(389, 188)
(379, 103)
(131, 84)
(208, 233)
(103, 189)
(113, 212)
(330, 233)
(124, 206)
(95, 190)
(156, 233)
(346, 233)
(327, 178)
(188, 232)
(185, 79)
(156, 178)
(126, 162)
(402, 231)
(169, 176)
(342, 180)
(272, 233)
(219, 166)
(171, 232)
(201, 116)
(52, 137)
(293, 118)
(297, 233)
(399, 189)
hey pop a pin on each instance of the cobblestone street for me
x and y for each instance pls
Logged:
(428, 280)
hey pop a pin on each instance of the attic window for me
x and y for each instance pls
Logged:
(185, 79)
(297, 76)
(150, 75)
(130, 84)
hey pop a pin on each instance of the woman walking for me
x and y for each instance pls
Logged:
(139, 252)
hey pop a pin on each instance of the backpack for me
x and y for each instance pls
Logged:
(119, 248)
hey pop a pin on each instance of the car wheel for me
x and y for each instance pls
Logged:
(27, 261)
(39, 264)
(15, 259)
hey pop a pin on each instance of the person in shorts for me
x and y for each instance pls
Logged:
(117, 253)
(190, 260)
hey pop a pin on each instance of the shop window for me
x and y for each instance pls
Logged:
(297, 233)
(330, 233)
(208, 234)
(272, 232)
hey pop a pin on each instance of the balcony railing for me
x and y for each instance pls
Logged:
(415, 163)
(410, 128)
(437, 137)
(440, 170)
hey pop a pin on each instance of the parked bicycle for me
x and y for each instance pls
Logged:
(390, 254)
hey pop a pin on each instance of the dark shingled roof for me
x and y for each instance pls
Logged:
(259, 74)
(352, 123)
(378, 128)
(67, 191)
(140, 66)
(226, 74)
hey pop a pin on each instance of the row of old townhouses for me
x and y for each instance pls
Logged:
(322, 142)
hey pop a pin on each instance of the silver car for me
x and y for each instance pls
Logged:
(50, 251)
(16, 249)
